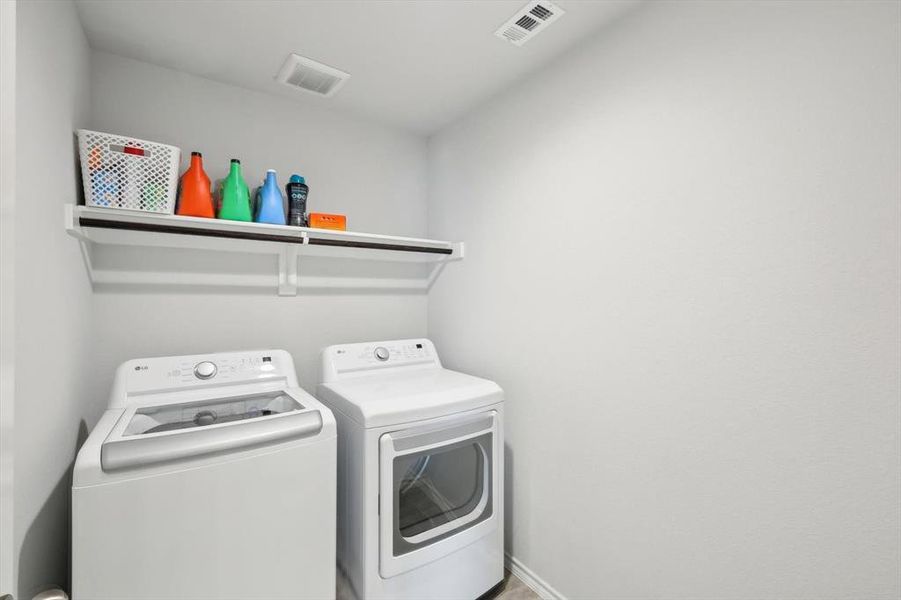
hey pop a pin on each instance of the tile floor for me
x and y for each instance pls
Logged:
(512, 589)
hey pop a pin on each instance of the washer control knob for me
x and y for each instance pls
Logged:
(381, 353)
(205, 369)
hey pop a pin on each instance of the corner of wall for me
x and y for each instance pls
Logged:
(52, 294)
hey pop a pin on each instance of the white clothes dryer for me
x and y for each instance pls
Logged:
(208, 476)
(420, 472)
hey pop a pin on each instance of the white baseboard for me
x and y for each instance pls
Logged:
(528, 577)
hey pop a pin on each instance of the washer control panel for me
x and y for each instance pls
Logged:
(183, 372)
(344, 359)
(220, 368)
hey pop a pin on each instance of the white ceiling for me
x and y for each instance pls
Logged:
(413, 64)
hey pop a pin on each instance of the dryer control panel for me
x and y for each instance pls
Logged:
(348, 360)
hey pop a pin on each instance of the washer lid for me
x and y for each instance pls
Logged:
(167, 433)
(414, 395)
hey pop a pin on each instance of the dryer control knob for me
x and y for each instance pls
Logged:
(205, 369)
(381, 353)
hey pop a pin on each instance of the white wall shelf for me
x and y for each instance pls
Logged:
(134, 250)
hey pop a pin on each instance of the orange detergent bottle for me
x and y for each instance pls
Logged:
(195, 198)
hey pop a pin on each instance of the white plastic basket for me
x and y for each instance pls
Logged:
(127, 173)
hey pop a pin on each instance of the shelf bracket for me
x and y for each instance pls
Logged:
(434, 272)
(73, 227)
(287, 270)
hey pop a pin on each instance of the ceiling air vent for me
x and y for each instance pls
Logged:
(529, 21)
(311, 76)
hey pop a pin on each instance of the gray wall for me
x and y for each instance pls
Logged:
(374, 174)
(7, 292)
(52, 294)
(683, 267)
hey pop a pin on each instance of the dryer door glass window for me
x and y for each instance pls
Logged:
(440, 491)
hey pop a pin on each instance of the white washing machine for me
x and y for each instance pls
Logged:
(420, 472)
(208, 477)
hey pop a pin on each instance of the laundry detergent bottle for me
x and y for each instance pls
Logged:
(271, 208)
(297, 201)
(195, 198)
(235, 196)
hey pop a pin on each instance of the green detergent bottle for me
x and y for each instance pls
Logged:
(235, 196)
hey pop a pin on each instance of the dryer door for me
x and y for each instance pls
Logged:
(437, 489)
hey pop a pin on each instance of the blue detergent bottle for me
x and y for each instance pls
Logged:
(271, 207)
